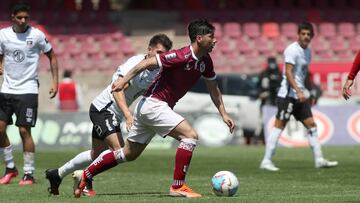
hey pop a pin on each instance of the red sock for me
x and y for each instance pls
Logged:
(182, 161)
(102, 163)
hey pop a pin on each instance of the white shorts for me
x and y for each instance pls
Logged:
(152, 116)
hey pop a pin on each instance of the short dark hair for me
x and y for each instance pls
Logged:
(161, 39)
(199, 27)
(67, 74)
(306, 26)
(19, 7)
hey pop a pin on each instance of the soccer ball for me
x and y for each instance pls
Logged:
(224, 183)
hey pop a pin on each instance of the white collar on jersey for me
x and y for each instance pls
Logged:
(192, 53)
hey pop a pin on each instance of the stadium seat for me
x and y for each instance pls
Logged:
(346, 29)
(243, 45)
(218, 29)
(289, 30)
(279, 44)
(332, 15)
(270, 29)
(224, 46)
(262, 45)
(251, 29)
(327, 29)
(232, 29)
(354, 44)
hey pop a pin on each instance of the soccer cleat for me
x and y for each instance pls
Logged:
(87, 191)
(53, 176)
(323, 163)
(82, 184)
(184, 191)
(268, 166)
(27, 179)
(9, 174)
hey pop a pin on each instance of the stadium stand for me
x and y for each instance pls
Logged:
(246, 30)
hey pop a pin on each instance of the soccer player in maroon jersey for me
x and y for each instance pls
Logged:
(352, 74)
(179, 71)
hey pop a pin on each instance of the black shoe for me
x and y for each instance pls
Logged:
(53, 176)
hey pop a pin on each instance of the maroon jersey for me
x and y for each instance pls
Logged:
(179, 71)
(355, 67)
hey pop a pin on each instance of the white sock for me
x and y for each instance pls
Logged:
(6, 153)
(120, 156)
(78, 162)
(29, 162)
(314, 143)
(271, 143)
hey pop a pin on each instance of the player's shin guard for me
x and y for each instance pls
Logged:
(78, 162)
(8, 157)
(182, 161)
(314, 143)
(103, 162)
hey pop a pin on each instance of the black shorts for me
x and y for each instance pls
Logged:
(290, 106)
(104, 123)
(24, 106)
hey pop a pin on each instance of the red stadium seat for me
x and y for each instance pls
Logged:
(232, 29)
(340, 4)
(280, 44)
(289, 30)
(262, 45)
(243, 45)
(327, 29)
(218, 30)
(252, 29)
(270, 30)
(224, 46)
(354, 44)
(346, 29)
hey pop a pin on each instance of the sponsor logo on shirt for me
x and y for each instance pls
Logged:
(18, 56)
(170, 56)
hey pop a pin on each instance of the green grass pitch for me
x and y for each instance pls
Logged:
(148, 178)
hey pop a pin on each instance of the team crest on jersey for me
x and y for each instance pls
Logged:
(202, 66)
(18, 56)
(29, 43)
(170, 56)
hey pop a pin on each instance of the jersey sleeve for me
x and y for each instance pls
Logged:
(209, 73)
(44, 44)
(124, 68)
(289, 56)
(355, 67)
(170, 59)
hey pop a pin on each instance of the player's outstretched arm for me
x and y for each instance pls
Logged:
(346, 89)
(119, 97)
(149, 63)
(216, 98)
(54, 73)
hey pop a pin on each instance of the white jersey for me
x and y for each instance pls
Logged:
(21, 53)
(294, 54)
(136, 87)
